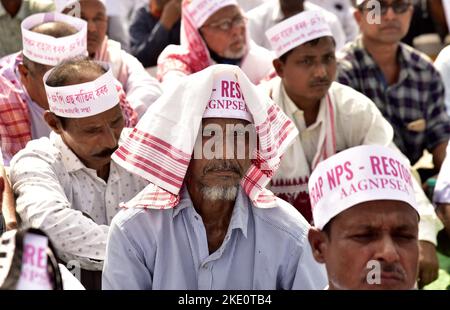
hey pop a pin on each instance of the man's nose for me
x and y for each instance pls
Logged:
(387, 250)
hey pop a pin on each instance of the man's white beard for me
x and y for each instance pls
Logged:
(215, 193)
(235, 55)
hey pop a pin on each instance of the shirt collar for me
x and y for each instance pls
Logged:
(68, 157)
(404, 57)
(292, 108)
(239, 217)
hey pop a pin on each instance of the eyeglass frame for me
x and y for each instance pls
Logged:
(236, 21)
(386, 7)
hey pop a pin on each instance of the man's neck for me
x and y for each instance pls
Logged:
(12, 6)
(216, 216)
(103, 172)
(309, 107)
(385, 56)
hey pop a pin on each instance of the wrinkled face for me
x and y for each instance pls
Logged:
(31, 77)
(309, 69)
(223, 159)
(373, 245)
(94, 13)
(392, 27)
(93, 139)
(224, 32)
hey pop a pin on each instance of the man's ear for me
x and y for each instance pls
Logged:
(318, 241)
(23, 71)
(53, 122)
(357, 14)
(279, 67)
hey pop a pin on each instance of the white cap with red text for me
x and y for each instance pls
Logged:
(296, 30)
(201, 10)
(227, 99)
(83, 100)
(47, 50)
(356, 175)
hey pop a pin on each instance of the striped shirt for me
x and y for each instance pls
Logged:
(414, 105)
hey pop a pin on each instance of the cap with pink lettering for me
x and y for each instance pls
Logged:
(201, 10)
(85, 99)
(296, 30)
(47, 50)
(227, 99)
(356, 175)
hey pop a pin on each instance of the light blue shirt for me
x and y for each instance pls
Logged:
(168, 249)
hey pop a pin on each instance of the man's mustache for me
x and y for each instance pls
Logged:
(106, 152)
(320, 82)
(393, 268)
(222, 165)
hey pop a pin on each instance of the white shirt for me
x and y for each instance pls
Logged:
(442, 64)
(39, 127)
(343, 10)
(57, 193)
(267, 15)
(140, 87)
(168, 249)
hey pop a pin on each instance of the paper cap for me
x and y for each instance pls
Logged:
(296, 30)
(356, 175)
(201, 10)
(227, 99)
(83, 100)
(47, 50)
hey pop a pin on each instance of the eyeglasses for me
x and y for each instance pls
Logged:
(399, 7)
(228, 23)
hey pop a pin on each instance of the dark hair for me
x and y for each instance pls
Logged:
(327, 229)
(71, 71)
(314, 42)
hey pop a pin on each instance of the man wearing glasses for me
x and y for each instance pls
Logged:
(213, 32)
(405, 87)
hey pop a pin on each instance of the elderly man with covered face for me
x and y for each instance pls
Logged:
(206, 220)
(47, 39)
(213, 32)
(366, 219)
(66, 184)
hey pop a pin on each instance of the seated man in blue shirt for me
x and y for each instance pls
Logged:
(206, 220)
(153, 28)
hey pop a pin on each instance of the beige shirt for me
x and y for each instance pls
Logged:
(10, 33)
(57, 193)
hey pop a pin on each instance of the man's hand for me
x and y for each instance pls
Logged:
(171, 14)
(428, 263)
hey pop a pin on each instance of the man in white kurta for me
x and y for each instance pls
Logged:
(331, 117)
(202, 222)
(58, 188)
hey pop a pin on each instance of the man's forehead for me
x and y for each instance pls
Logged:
(325, 44)
(225, 12)
(377, 213)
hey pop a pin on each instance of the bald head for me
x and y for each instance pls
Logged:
(75, 71)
